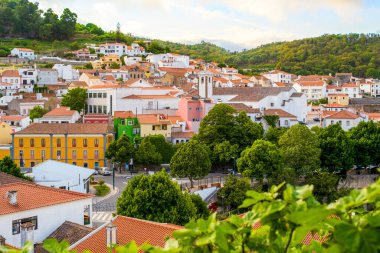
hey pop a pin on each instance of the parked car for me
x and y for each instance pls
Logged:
(106, 173)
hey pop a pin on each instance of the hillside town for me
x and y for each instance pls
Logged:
(131, 95)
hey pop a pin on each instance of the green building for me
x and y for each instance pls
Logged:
(126, 122)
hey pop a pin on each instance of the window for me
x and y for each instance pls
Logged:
(95, 95)
(16, 224)
(31, 154)
(90, 108)
(43, 154)
(74, 154)
(347, 123)
(286, 122)
(43, 144)
(332, 122)
(99, 95)
(20, 143)
(130, 122)
(32, 143)
(99, 109)
(58, 143)
(96, 154)
(271, 104)
(136, 130)
(164, 127)
(96, 142)
(150, 105)
(74, 143)
(85, 143)
(104, 109)
(84, 154)
(104, 95)
(90, 95)
(58, 154)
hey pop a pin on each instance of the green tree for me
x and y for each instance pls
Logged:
(37, 112)
(261, 160)
(147, 154)
(222, 124)
(155, 48)
(225, 152)
(162, 146)
(273, 134)
(300, 149)
(366, 142)
(67, 23)
(75, 99)
(9, 167)
(232, 194)
(191, 160)
(120, 151)
(336, 149)
(115, 65)
(88, 65)
(200, 206)
(156, 198)
(325, 185)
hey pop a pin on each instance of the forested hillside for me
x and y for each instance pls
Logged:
(22, 23)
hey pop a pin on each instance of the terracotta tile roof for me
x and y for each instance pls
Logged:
(63, 128)
(333, 87)
(343, 115)
(186, 135)
(149, 97)
(334, 105)
(352, 85)
(10, 73)
(32, 196)
(24, 49)
(327, 113)
(123, 114)
(78, 84)
(9, 179)
(280, 84)
(337, 94)
(311, 83)
(373, 115)
(60, 111)
(174, 71)
(281, 113)
(239, 107)
(220, 79)
(174, 119)
(69, 231)
(277, 72)
(250, 93)
(152, 119)
(12, 117)
(128, 229)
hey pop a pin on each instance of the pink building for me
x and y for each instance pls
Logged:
(192, 110)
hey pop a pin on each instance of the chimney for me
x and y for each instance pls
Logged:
(111, 235)
(2, 241)
(27, 234)
(12, 197)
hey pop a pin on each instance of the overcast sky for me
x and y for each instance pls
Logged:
(233, 24)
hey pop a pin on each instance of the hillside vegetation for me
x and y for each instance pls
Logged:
(23, 24)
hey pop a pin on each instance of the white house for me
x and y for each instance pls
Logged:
(17, 122)
(314, 90)
(33, 212)
(169, 60)
(66, 72)
(23, 53)
(28, 76)
(47, 76)
(352, 90)
(59, 115)
(278, 76)
(285, 119)
(62, 175)
(134, 95)
(375, 89)
(134, 49)
(9, 89)
(112, 48)
(11, 76)
(263, 98)
(346, 119)
(333, 107)
(131, 60)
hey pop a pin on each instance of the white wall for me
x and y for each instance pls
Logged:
(49, 219)
(346, 124)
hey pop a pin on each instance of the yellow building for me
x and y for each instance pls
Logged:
(151, 124)
(106, 61)
(338, 98)
(79, 144)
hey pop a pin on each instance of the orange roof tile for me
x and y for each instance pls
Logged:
(334, 105)
(10, 73)
(152, 119)
(149, 97)
(343, 115)
(12, 117)
(66, 128)
(187, 135)
(280, 84)
(281, 113)
(24, 49)
(174, 119)
(61, 111)
(311, 83)
(128, 229)
(32, 196)
(352, 85)
(124, 114)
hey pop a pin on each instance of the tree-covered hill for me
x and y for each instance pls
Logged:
(22, 23)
